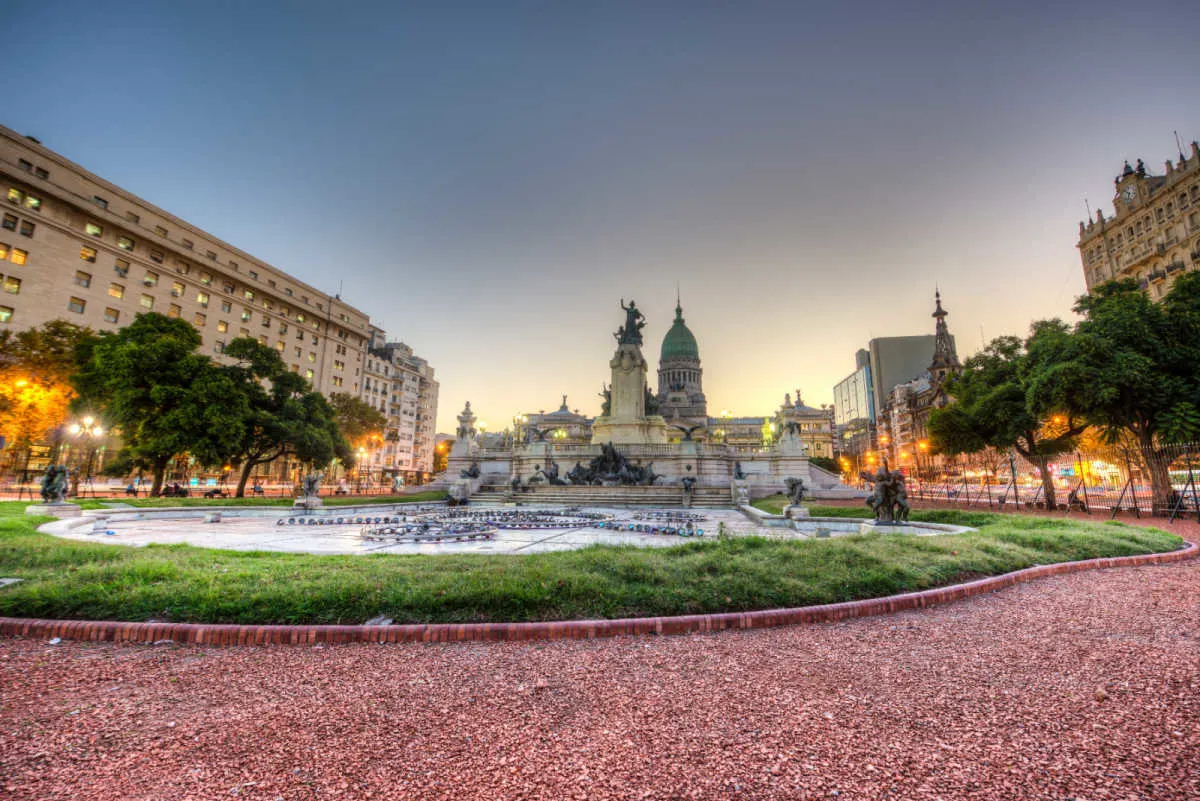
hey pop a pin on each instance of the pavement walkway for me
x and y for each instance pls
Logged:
(1084, 686)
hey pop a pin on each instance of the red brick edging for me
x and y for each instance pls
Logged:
(231, 634)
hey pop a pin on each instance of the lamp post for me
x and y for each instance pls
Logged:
(358, 474)
(922, 459)
(89, 431)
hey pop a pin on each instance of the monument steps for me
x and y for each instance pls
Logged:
(670, 497)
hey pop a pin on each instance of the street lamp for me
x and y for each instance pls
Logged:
(91, 432)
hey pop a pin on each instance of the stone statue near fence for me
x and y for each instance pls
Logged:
(54, 484)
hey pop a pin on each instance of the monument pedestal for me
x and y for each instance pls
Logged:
(646, 430)
(59, 509)
(627, 422)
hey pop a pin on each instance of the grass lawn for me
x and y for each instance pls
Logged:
(84, 580)
(330, 500)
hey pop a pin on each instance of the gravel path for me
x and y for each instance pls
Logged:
(1082, 686)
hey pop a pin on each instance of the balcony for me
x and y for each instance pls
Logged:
(1160, 248)
(1157, 275)
(1176, 266)
(1143, 283)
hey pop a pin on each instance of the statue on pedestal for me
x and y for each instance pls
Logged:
(889, 501)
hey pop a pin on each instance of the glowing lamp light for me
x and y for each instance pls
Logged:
(74, 428)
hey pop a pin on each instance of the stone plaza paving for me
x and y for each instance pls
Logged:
(1083, 686)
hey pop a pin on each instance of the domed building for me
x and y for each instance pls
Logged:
(680, 389)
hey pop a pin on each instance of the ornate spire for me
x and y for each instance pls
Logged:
(945, 357)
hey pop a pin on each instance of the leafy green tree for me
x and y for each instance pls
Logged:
(165, 398)
(357, 420)
(1131, 365)
(993, 406)
(286, 416)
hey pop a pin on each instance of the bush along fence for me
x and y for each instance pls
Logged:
(1163, 481)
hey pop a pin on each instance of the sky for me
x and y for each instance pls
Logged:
(488, 181)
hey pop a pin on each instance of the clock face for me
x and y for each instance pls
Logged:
(1129, 193)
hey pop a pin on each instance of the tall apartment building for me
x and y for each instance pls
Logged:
(77, 247)
(1154, 235)
(402, 386)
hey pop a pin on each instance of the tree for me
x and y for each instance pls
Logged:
(165, 398)
(286, 416)
(35, 370)
(1131, 365)
(357, 420)
(993, 405)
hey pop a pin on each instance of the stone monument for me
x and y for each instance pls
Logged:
(55, 482)
(627, 421)
(311, 486)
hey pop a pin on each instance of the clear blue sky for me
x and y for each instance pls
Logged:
(488, 180)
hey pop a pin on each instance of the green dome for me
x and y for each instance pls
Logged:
(679, 342)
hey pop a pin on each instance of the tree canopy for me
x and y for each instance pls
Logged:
(285, 415)
(165, 398)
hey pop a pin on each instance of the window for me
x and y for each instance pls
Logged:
(211, 254)
(156, 256)
(299, 318)
(266, 323)
(93, 229)
(6, 314)
(304, 299)
(200, 319)
(300, 335)
(33, 203)
(315, 340)
(202, 299)
(10, 222)
(133, 218)
(268, 305)
(253, 275)
(271, 283)
(288, 291)
(15, 195)
(99, 201)
(174, 310)
(122, 267)
(222, 326)
(243, 332)
(111, 315)
(219, 346)
(41, 172)
(146, 302)
(248, 294)
(177, 289)
(226, 307)
(151, 279)
(76, 305)
(245, 315)
(312, 357)
(83, 279)
(12, 285)
(279, 346)
(283, 329)
(187, 243)
(182, 267)
(27, 166)
(125, 243)
(206, 279)
(19, 256)
(227, 287)
(158, 229)
(262, 340)
(308, 374)
(234, 265)
(299, 352)
(27, 228)
(337, 380)
(88, 254)
(116, 290)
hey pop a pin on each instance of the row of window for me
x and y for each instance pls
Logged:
(28, 166)
(15, 255)
(24, 199)
(13, 223)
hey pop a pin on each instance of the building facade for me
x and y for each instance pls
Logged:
(76, 247)
(402, 386)
(1154, 236)
(854, 408)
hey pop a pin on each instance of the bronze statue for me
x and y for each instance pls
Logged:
(54, 484)
(889, 500)
(606, 394)
(631, 332)
(470, 472)
(738, 472)
(688, 430)
(795, 490)
(312, 484)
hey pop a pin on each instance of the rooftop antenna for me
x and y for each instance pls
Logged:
(1179, 147)
(339, 292)
(1088, 206)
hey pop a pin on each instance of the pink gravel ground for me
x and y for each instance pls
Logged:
(1075, 687)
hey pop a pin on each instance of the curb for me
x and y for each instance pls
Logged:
(233, 634)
